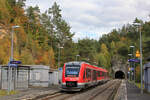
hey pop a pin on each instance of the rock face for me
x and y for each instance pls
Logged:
(119, 68)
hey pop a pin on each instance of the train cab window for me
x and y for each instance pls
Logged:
(72, 70)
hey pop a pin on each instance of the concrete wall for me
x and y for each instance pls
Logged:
(19, 78)
(24, 76)
(55, 77)
(39, 75)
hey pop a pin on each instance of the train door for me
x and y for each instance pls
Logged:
(87, 75)
(101, 76)
(84, 75)
(94, 76)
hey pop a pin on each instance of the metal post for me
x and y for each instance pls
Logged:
(130, 72)
(130, 66)
(133, 63)
(77, 57)
(11, 59)
(141, 60)
(12, 44)
(59, 58)
(141, 65)
(134, 72)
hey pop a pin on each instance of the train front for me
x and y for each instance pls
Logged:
(71, 77)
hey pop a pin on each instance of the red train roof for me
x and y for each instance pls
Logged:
(98, 68)
(81, 62)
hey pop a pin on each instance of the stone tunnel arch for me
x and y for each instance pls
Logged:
(119, 74)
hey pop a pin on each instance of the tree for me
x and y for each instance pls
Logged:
(33, 14)
(122, 49)
(21, 3)
(60, 26)
(104, 58)
(52, 58)
(87, 50)
(12, 2)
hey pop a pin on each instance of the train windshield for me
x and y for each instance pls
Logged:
(72, 70)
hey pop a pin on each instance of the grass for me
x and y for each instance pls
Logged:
(138, 85)
(5, 92)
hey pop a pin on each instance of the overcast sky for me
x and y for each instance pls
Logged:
(92, 18)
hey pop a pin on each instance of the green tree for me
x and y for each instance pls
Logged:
(104, 58)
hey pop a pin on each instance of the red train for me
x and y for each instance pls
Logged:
(80, 75)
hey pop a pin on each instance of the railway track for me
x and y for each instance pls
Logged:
(107, 92)
(56, 96)
(102, 92)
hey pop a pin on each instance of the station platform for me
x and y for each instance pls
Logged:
(31, 93)
(134, 93)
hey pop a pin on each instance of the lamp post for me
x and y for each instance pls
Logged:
(12, 42)
(11, 59)
(130, 76)
(141, 65)
(59, 56)
(133, 62)
(77, 57)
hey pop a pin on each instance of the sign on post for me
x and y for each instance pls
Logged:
(133, 60)
(60, 68)
(15, 62)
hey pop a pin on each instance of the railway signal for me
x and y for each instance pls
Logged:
(137, 54)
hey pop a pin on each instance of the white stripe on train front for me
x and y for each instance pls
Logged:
(63, 83)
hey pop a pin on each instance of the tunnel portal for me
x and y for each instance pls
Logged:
(119, 75)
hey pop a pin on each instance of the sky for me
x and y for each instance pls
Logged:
(92, 18)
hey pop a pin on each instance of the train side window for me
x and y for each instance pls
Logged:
(103, 74)
(84, 75)
(89, 72)
(99, 74)
(94, 76)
